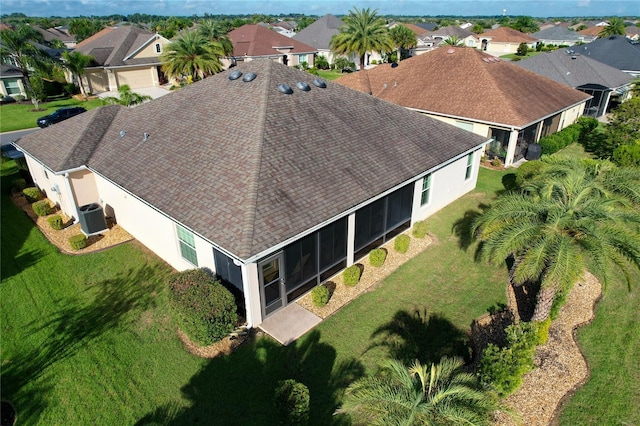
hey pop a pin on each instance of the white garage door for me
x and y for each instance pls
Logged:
(136, 78)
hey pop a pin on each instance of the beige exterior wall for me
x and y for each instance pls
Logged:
(55, 187)
(571, 115)
(447, 185)
(98, 81)
(498, 48)
(150, 50)
(83, 185)
(137, 77)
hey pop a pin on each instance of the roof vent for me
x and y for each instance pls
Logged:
(250, 76)
(122, 133)
(303, 85)
(235, 75)
(320, 83)
(285, 88)
(145, 136)
(394, 64)
(573, 57)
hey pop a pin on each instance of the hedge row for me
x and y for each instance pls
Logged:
(565, 137)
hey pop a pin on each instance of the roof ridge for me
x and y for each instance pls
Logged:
(249, 219)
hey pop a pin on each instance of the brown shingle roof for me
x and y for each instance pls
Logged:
(591, 31)
(418, 31)
(508, 35)
(467, 83)
(111, 46)
(247, 166)
(256, 40)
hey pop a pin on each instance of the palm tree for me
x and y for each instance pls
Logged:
(16, 47)
(76, 63)
(419, 395)
(192, 56)
(212, 31)
(573, 214)
(403, 38)
(453, 41)
(127, 97)
(363, 32)
(615, 27)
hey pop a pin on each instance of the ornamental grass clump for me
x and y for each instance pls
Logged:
(377, 257)
(78, 242)
(351, 275)
(204, 309)
(419, 229)
(33, 194)
(401, 243)
(55, 222)
(41, 208)
(320, 296)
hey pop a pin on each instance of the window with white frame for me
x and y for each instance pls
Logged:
(426, 190)
(158, 48)
(12, 87)
(469, 166)
(302, 58)
(187, 245)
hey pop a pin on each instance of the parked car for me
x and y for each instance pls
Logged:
(59, 115)
(9, 151)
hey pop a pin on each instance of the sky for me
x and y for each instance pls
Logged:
(557, 8)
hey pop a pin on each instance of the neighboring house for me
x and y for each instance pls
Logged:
(561, 36)
(318, 35)
(11, 78)
(123, 55)
(591, 31)
(616, 51)
(57, 33)
(608, 85)
(632, 32)
(275, 191)
(418, 31)
(426, 43)
(504, 41)
(467, 38)
(256, 42)
(479, 93)
(429, 26)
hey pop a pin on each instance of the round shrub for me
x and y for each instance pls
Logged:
(401, 243)
(320, 295)
(351, 275)
(292, 402)
(419, 229)
(19, 184)
(204, 308)
(377, 257)
(41, 208)
(55, 222)
(496, 162)
(78, 241)
(527, 171)
(33, 194)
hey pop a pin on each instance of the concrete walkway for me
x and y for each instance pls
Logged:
(289, 323)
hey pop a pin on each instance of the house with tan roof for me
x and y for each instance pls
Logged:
(318, 35)
(123, 55)
(479, 93)
(253, 41)
(278, 188)
(504, 40)
(466, 37)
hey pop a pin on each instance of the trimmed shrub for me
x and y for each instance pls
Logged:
(292, 402)
(320, 295)
(419, 229)
(56, 222)
(78, 241)
(377, 257)
(41, 208)
(401, 243)
(19, 184)
(351, 275)
(204, 308)
(496, 162)
(587, 124)
(502, 368)
(542, 331)
(527, 171)
(627, 155)
(553, 143)
(33, 194)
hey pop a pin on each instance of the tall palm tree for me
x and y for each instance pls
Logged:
(403, 38)
(615, 27)
(76, 63)
(192, 56)
(127, 97)
(419, 395)
(16, 47)
(363, 32)
(573, 214)
(213, 31)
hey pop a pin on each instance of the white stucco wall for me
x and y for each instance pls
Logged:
(46, 180)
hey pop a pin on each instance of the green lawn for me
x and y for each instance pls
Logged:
(88, 340)
(513, 55)
(329, 74)
(20, 116)
(574, 150)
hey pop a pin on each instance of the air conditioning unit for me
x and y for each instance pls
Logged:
(92, 220)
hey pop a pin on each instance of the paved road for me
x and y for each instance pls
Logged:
(8, 137)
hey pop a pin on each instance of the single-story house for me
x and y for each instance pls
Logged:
(123, 55)
(11, 78)
(479, 93)
(558, 35)
(253, 41)
(272, 178)
(466, 37)
(608, 85)
(57, 33)
(504, 40)
(616, 51)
